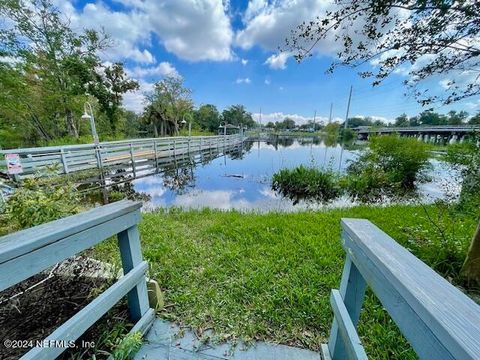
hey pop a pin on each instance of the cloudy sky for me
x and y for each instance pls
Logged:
(227, 54)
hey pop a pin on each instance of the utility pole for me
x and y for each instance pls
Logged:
(326, 147)
(259, 124)
(345, 127)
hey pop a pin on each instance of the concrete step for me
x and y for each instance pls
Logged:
(167, 341)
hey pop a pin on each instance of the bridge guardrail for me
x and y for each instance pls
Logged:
(437, 319)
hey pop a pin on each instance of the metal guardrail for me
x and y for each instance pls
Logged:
(437, 319)
(132, 153)
(31, 251)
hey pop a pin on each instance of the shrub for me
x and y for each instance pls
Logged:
(38, 201)
(466, 159)
(307, 183)
(391, 165)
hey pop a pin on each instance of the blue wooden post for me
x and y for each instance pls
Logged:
(352, 290)
(131, 254)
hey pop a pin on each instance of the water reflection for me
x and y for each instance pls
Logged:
(240, 179)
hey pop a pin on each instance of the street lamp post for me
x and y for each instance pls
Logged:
(224, 127)
(184, 122)
(90, 117)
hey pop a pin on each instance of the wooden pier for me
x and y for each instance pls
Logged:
(133, 155)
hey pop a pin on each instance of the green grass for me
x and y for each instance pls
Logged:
(269, 276)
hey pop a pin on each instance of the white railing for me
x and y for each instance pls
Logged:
(130, 153)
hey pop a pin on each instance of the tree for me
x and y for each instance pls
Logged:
(108, 85)
(457, 118)
(52, 70)
(475, 120)
(238, 115)
(402, 120)
(438, 37)
(207, 117)
(270, 125)
(431, 118)
(51, 54)
(167, 105)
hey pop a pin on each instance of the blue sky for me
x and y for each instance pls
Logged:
(227, 54)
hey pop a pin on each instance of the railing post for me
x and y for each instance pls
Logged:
(132, 158)
(131, 254)
(64, 161)
(156, 155)
(352, 290)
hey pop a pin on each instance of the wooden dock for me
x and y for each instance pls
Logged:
(126, 154)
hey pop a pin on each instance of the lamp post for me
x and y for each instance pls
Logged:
(224, 127)
(90, 117)
(184, 122)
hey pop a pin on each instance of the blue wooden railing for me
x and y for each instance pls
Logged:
(30, 251)
(437, 319)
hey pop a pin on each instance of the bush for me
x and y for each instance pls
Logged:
(38, 201)
(307, 183)
(466, 159)
(391, 165)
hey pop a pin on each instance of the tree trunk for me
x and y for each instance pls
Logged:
(471, 266)
(72, 129)
(155, 130)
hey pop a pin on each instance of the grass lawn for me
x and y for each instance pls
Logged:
(268, 276)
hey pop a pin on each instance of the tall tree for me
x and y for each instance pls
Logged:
(437, 36)
(207, 117)
(475, 120)
(50, 51)
(238, 115)
(167, 105)
(58, 67)
(402, 120)
(108, 85)
(457, 117)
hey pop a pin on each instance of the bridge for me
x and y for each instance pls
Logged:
(434, 134)
(130, 157)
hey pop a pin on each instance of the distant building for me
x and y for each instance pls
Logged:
(230, 129)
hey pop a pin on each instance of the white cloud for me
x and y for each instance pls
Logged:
(244, 62)
(129, 31)
(243, 81)
(162, 69)
(277, 61)
(445, 83)
(267, 24)
(374, 118)
(473, 105)
(267, 82)
(192, 30)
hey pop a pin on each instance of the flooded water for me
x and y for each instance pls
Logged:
(242, 179)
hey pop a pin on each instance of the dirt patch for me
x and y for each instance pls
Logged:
(33, 309)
